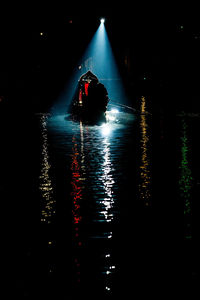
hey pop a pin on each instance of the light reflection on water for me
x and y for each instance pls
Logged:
(76, 185)
(76, 205)
(107, 182)
(45, 186)
(106, 204)
(95, 159)
(93, 153)
(145, 169)
(90, 156)
(185, 178)
(95, 170)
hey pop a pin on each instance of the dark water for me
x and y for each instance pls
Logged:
(101, 211)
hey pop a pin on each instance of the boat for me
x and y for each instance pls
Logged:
(90, 101)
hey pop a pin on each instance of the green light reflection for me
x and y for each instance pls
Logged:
(185, 178)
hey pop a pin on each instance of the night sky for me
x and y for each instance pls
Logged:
(156, 48)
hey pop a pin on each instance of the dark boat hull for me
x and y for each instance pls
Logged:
(88, 117)
(90, 102)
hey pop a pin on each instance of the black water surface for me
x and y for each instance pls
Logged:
(100, 211)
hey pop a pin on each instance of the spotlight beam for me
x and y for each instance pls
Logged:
(99, 59)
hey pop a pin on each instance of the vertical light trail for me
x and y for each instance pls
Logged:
(145, 172)
(76, 184)
(107, 207)
(45, 186)
(185, 180)
(107, 183)
(78, 172)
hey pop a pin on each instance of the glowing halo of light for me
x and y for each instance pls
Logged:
(114, 111)
(99, 59)
(105, 129)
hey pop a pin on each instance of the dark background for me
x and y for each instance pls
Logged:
(156, 48)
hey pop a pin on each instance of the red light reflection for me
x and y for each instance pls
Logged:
(76, 201)
(76, 184)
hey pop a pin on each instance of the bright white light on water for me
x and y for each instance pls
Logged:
(102, 20)
(112, 115)
(114, 111)
(107, 255)
(111, 118)
(105, 129)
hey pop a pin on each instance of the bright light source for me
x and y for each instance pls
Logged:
(111, 118)
(112, 115)
(105, 129)
(100, 60)
(114, 111)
